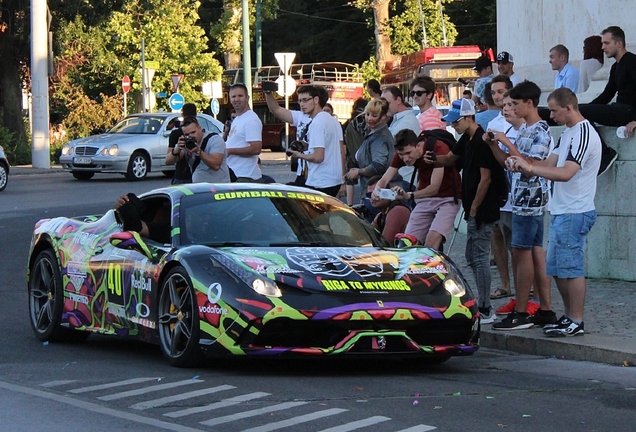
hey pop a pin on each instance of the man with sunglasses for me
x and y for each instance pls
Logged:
(422, 93)
(321, 131)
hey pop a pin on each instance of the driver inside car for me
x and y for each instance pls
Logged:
(130, 210)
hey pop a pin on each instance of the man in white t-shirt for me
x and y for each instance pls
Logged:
(505, 65)
(320, 131)
(245, 138)
(573, 166)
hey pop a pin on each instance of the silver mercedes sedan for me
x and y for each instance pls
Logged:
(4, 170)
(134, 147)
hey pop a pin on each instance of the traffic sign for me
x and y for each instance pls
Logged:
(215, 107)
(176, 80)
(286, 85)
(285, 61)
(176, 102)
(125, 83)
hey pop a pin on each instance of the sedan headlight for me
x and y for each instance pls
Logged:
(454, 288)
(67, 149)
(111, 151)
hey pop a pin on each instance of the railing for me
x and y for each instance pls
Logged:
(304, 73)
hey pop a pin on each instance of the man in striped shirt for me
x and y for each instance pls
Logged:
(572, 165)
(423, 92)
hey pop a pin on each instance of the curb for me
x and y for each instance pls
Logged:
(589, 347)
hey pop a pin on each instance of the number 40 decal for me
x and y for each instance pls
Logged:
(114, 278)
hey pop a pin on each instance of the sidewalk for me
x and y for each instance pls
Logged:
(610, 334)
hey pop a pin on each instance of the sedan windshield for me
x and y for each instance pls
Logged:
(138, 125)
(270, 221)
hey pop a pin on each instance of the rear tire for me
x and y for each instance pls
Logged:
(179, 320)
(46, 301)
(83, 175)
(138, 167)
(281, 146)
(4, 176)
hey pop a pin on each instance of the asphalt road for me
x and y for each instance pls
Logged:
(106, 384)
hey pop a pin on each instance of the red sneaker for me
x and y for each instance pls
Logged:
(507, 308)
(532, 308)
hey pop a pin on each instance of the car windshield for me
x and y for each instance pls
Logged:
(283, 220)
(138, 125)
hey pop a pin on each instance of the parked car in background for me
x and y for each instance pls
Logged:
(134, 147)
(4, 170)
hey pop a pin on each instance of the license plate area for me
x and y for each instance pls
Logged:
(82, 161)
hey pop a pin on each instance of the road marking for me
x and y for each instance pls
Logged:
(296, 420)
(111, 385)
(222, 404)
(88, 406)
(168, 399)
(252, 413)
(357, 424)
(148, 389)
(419, 428)
(57, 383)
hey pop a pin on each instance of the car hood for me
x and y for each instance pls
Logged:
(343, 269)
(107, 139)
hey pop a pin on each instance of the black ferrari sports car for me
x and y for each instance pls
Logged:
(259, 270)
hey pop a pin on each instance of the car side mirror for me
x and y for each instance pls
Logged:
(131, 240)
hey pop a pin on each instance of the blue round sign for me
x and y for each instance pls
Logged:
(176, 102)
(215, 106)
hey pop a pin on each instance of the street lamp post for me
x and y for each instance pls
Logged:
(143, 75)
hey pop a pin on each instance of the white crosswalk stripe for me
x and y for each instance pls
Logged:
(357, 424)
(57, 383)
(222, 404)
(418, 428)
(296, 420)
(148, 389)
(112, 385)
(252, 413)
(183, 396)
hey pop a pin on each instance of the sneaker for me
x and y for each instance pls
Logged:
(533, 308)
(514, 321)
(512, 304)
(554, 325)
(607, 159)
(543, 318)
(507, 308)
(571, 329)
(487, 316)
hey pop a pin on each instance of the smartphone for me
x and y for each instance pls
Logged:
(491, 135)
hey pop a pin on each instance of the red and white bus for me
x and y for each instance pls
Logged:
(343, 82)
(444, 64)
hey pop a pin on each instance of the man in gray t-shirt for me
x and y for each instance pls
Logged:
(207, 156)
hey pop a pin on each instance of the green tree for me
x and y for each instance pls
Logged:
(475, 21)
(94, 59)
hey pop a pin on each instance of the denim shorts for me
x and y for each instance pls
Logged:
(527, 231)
(566, 246)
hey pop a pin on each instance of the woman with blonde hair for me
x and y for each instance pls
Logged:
(376, 151)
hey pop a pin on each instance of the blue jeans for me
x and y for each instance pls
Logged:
(566, 245)
(478, 258)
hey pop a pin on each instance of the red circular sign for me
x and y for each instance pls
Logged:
(125, 84)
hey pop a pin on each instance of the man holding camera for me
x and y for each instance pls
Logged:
(182, 172)
(321, 130)
(206, 155)
(245, 138)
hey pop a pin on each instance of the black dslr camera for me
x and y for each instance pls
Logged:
(190, 142)
(299, 146)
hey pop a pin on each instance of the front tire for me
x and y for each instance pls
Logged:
(179, 320)
(83, 175)
(46, 301)
(138, 167)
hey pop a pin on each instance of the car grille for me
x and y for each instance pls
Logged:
(288, 333)
(86, 151)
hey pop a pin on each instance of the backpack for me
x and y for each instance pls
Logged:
(204, 144)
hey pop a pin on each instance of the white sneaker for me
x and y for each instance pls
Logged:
(487, 315)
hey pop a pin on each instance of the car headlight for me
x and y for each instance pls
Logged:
(111, 151)
(454, 288)
(67, 149)
(266, 287)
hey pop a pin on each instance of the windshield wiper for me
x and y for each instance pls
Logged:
(227, 244)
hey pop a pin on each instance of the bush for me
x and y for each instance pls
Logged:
(17, 153)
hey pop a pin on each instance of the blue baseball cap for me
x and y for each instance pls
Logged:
(460, 108)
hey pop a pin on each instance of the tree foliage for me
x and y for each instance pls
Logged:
(475, 21)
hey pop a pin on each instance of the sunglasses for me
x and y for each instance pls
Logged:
(418, 93)
(457, 121)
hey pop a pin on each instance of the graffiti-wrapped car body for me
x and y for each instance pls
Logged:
(256, 270)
